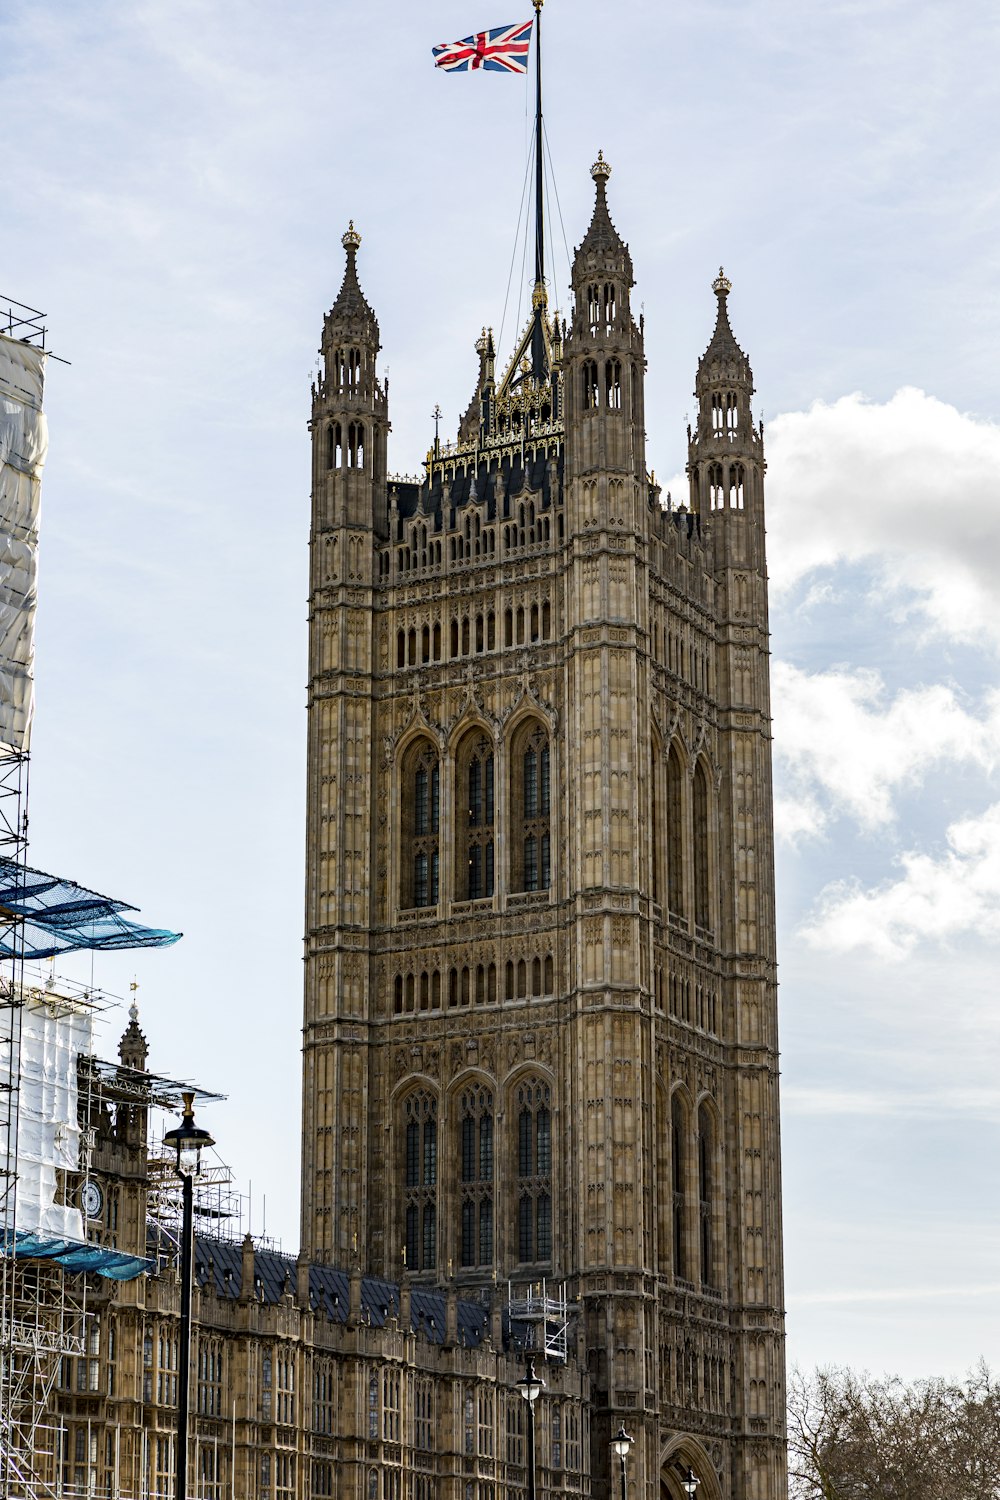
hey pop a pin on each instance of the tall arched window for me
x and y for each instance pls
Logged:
(534, 1172)
(531, 800)
(421, 820)
(675, 833)
(476, 1162)
(656, 817)
(475, 804)
(678, 1149)
(420, 1180)
(706, 1194)
(702, 884)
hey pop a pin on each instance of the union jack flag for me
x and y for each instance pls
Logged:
(502, 50)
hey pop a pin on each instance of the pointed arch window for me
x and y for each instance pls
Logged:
(706, 1194)
(675, 834)
(421, 820)
(420, 1175)
(476, 1173)
(700, 862)
(534, 1172)
(474, 823)
(678, 1149)
(610, 303)
(531, 840)
(716, 493)
(613, 384)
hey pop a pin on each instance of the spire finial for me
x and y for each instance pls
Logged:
(601, 170)
(351, 238)
(722, 285)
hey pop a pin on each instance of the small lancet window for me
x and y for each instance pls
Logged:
(593, 310)
(356, 445)
(591, 389)
(732, 413)
(354, 370)
(613, 384)
(610, 304)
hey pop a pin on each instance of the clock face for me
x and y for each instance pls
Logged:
(91, 1200)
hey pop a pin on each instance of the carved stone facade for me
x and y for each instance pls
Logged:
(540, 996)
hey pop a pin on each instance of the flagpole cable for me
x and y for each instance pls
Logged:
(513, 254)
(555, 194)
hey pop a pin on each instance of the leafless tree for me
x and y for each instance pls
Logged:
(857, 1437)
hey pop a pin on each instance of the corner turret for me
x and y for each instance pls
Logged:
(133, 1049)
(604, 362)
(725, 451)
(350, 421)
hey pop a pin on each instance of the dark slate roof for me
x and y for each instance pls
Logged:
(499, 488)
(219, 1263)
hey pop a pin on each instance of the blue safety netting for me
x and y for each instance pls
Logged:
(72, 1255)
(58, 916)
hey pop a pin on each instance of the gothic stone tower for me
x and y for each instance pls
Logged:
(540, 1002)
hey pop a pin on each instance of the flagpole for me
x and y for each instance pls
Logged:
(539, 298)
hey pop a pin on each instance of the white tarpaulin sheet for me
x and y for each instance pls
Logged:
(52, 1038)
(23, 445)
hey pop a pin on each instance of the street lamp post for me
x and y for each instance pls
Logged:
(690, 1483)
(621, 1444)
(188, 1141)
(531, 1388)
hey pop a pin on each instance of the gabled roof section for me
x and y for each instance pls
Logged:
(519, 366)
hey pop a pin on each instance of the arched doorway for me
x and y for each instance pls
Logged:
(679, 1455)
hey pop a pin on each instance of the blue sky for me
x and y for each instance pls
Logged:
(177, 178)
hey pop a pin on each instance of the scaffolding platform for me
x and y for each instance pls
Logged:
(542, 1310)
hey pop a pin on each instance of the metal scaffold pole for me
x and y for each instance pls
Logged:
(13, 846)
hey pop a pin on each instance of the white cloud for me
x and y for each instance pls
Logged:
(842, 745)
(905, 1098)
(912, 485)
(936, 899)
(894, 1294)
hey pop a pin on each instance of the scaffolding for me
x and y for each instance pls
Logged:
(43, 1310)
(540, 1312)
(49, 1308)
